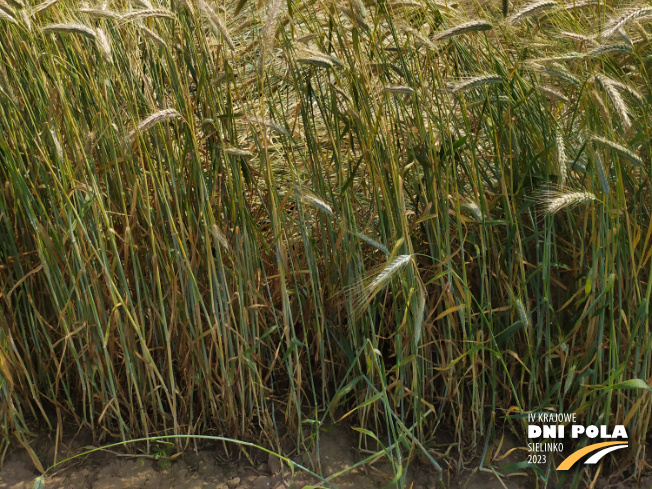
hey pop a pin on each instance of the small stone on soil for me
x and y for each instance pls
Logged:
(233, 482)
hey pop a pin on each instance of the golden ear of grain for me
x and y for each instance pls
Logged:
(103, 45)
(152, 120)
(147, 13)
(57, 144)
(556, 71)
(362, 292)
(238, 152)
(268, 36)
(389, 271)
(465, 28)
(313, 200)
(625, 18)
(259, 121)
(305, 39)
(530, 10)
(399, 89)
(619, 149)
(395, 5)
(71, 28)
(317, 58)
(97, 13)
(610, 48)
(557, 202)
(315, 61)
(616, 99)
(27, 21)
(7, 18)
(573, 36)
(354, 17)
(210, 14)
(551, 92)
(474, 82)
(579, 5)
(419, 39)
(220, 237)
(43, 6)
(152, 35)
(143, 3)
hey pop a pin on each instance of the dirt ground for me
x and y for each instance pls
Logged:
(214, 468)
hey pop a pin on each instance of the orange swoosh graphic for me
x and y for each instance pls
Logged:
(575, 456)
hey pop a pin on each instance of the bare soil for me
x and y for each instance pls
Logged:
(214, 468)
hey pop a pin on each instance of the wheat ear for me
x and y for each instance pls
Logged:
(269, 31)
(217, 22)
(556, 72)
(354, 17)
(610, 48)
(362, 292)
(317, 58)
(389, 271)
(602, 173)
(420, 39)
(219, 236)
(555, 204)
(573, 36)
(399, 89)
(57, 144)
(625, 88)
(475, 82)
(368, 240)
(103, 45)
(561, 159)
(71, 28)
(465, 28)
(312, 200)
(530, 10)
(617, 148)
(358, 7)
(420, 309)
(7, 18)
(551, 92)
(616, 99)
(628, 16)
(152, 120)
(152, 35)
(238, 152)
(269, 124)
(97, 13)
(43, 6)
(474, 209)
(148, 13)
(578, 5)
(143, 3)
